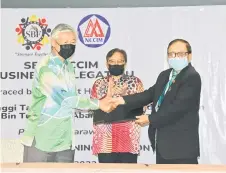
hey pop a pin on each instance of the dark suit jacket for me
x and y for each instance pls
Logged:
(177, 120)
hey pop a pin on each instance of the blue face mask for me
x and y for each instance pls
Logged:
(178, 63)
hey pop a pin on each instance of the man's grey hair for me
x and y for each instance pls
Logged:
(61, 28)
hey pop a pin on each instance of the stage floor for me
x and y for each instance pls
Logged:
(108, 168)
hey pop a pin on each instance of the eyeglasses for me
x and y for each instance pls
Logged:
(112, 62)
(177, 54)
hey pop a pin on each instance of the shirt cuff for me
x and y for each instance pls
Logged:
(95, 104)
(27, 140)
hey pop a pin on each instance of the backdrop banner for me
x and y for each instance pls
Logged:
(144, 33)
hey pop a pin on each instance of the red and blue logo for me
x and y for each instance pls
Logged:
(94, 30)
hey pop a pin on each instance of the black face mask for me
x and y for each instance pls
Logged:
(116, 70)
(66, 50)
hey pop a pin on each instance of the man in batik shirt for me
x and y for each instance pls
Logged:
(116, 142)
(49, 134)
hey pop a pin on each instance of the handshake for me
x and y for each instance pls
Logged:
(109, 103)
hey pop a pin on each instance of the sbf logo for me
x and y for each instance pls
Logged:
(33, 32)
(94, 31)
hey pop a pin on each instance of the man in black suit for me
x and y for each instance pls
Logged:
(174, 121)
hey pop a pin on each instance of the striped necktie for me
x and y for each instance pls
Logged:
(161, 97)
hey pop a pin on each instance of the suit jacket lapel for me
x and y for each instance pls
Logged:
(162, 85)
(179, 78)
(165, 79)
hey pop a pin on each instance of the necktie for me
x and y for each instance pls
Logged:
(161, 97)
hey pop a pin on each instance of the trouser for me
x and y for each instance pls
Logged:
(117, 158)
(32, 154)
(161, 160)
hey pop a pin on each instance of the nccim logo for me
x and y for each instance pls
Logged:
(94, 30)
(33, 32)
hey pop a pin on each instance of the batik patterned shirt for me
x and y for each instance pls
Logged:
(116, 137)
(50, 116)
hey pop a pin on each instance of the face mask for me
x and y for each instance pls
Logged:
(116, 70)
(178, 63)
(66, 50)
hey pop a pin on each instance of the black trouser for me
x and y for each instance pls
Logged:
(161, 160)
(117, 158)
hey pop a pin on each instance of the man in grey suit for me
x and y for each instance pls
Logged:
(174, 121)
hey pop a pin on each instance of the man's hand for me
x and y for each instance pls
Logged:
(142, 120)
(108, 104)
